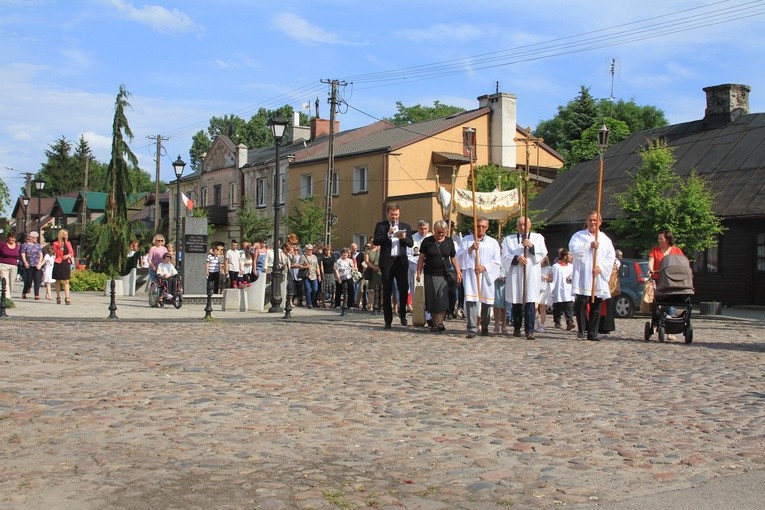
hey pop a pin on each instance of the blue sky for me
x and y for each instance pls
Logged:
(62, 62)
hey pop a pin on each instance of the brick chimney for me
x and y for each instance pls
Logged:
(725, 104)
(320, 127)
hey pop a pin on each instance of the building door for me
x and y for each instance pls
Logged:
(759, 269)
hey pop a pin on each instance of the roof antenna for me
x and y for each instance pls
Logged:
(612, 72)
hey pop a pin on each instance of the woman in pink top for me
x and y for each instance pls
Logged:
(155, 255)
(62, 264)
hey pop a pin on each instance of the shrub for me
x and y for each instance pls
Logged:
(86, 280)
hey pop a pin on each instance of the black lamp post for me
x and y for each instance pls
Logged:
(178, 166)
(277, 125)
(39, 186)
(25, 203)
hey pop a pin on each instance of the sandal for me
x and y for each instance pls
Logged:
(67, 301)
(58, 300)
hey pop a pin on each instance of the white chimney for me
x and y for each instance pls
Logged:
(503, 124)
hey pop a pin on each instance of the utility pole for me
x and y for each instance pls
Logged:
(157, 208)
(28, 192)
(330, 157)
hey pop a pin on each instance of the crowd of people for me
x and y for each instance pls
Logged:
(36, 265)
(514, 280)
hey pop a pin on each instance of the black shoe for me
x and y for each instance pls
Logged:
(558, 325)
(529, 336)
(404, 322)
(484, 332)
(517, 332)
(594, 338)
(441, 328)
(580, 336)
(387, 325)
(470, 335)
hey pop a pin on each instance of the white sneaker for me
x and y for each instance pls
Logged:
(540, 328)
(168, 296)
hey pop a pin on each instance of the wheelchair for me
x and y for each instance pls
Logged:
(161, 286)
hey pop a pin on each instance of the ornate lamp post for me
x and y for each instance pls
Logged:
(25, 203)
(39, 186)
(277, 125)
(178, 166)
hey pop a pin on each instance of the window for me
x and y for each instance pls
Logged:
(217, 195)
(761, 251)
(260, 192)
(360, 180)
(360, 240)
(708, 261)
(231, 195)
(306, 186)
(335, 184)
(203, 197)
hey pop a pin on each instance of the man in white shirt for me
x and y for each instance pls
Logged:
(522, 253)
(582, 247)
(478, 277)
(234, 264)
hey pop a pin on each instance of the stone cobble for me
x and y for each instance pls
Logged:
(324, 412)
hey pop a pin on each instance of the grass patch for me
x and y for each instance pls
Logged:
(337, 498)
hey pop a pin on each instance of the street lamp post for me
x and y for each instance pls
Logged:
(178, 166)
(39, 186)
(277, 125)
(25, 202)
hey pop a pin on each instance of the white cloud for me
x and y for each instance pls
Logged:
(455, 32)
(303, 31)
(240, 63)
(158, 18)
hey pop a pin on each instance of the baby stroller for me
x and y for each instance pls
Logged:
(160, 287)
(671, 309)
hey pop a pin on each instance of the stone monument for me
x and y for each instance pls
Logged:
(195, 249)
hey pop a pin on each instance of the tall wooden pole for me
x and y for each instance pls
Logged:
(468, 135)
(602, 146)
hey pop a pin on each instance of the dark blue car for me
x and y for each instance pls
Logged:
(632, 278)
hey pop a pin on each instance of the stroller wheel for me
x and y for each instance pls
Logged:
(662, 336)
(688, 334)
(177, 301)
(648, 331)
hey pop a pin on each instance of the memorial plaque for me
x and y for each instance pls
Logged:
(194, 243)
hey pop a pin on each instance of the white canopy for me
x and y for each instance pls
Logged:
(496, 205)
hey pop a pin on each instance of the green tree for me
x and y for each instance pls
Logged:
(110, 240)
(660, 199)
(61, 172)
(307, 221)
(418, 113)
(253, 133)
(255, 226)
(637, 118)
(561, 131)
(5, 197)
(587, 146)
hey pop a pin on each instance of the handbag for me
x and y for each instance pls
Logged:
(647, 301)
(356, 275)
(613, 281)
(450, 274)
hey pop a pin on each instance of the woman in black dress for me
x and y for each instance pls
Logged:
(437, 257)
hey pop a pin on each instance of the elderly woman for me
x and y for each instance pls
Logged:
(437, 256)
(310, 264)
(9, 261)
(32, 258)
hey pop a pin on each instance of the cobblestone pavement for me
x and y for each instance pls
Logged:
(249, 411)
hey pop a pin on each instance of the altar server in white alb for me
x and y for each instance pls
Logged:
(478, 280)
(523, 252)
(582, 247)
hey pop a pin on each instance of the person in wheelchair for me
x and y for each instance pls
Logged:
(166, 276)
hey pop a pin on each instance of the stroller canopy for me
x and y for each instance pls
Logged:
(675, 277)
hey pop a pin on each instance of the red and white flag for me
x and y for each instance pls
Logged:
(187, 201)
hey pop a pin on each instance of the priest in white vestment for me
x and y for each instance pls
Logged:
(478, 279)
(523, 252)
(582, 247)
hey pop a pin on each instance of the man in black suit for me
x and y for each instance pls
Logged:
(394, 237)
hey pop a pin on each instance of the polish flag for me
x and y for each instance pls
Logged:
(187, 201)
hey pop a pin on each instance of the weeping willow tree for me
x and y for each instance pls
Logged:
(111, 240)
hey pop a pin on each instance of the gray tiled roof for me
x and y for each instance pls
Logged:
(731, 158)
